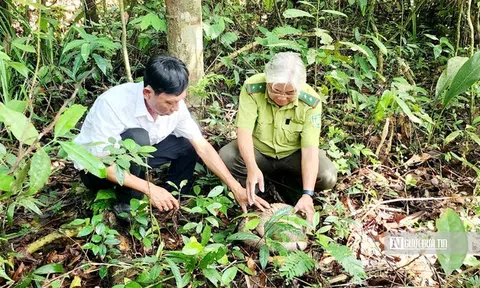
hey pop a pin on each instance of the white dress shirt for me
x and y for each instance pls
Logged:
(122, 107)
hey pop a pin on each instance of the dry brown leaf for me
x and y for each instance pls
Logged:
(417, 159)
(252, 265)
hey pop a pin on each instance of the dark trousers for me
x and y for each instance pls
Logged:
(176, 150)
(286, 171)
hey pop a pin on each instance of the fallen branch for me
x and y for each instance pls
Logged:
(406, 199)
(40, 243)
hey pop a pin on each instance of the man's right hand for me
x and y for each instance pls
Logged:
(162, 199)
(241, 196)
(254, 177)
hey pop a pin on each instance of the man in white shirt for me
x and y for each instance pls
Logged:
(153, 112)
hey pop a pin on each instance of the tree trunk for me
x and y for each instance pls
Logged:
(185, 38)
(90, 8)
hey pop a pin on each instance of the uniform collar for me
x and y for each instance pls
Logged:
(288, 106)
(140, 106)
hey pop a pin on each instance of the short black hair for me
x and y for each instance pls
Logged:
(166, 74)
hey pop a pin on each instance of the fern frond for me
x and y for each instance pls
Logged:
(345, 257)
(296, 264)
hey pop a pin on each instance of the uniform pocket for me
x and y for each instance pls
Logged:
(263, 130)
(292, 132)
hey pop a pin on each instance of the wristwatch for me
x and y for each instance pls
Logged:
(308, 192)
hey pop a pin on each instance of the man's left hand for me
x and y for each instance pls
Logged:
(305, 205)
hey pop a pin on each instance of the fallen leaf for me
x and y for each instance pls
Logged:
(417, 159)
(252, 265)
(77, 282)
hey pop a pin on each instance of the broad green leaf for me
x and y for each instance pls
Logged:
(20, 67)
(407, 110)
(10, 212)
(147, 149)
(437, 50)
(192, 248)
(380, 45)
(382, 108)
(453, 65)
(336, 13)
(40, 170)
(215, 191)
(101, 63)
(466, 76)
(451, 224)
(31, 204)
(77, 222)
(85, 51)
(206, 234)
(242, 236)
(19, 125)
(229, 275)
(49, 269)
(324, 36)
(79, 154)
(4, 56)
(451, 137)
(264, 254)
(119, 174)
(17, 105)
(294, 13)
(87, 230)
(133, 285)
(105, 194)
(354, 47)
(212, 275)
(73, 44)
(26, 48)
(175, 272)
(3, 150)
(474, 137)
(5, 181)
(252, 223)
(69, 119)
(363, 6)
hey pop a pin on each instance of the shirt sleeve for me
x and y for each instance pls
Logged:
(247, 111)
(186, 126)
(101, 123)
(311, 128)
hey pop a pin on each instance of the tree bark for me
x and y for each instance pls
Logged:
(90, 8)
(185, 37)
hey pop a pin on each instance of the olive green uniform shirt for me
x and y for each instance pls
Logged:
(279, 131)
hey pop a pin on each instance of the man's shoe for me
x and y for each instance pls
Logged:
(122, 211)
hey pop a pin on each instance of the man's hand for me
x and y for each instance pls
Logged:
(162, 199)
(305, 205)
(241, 196)
(254, 177)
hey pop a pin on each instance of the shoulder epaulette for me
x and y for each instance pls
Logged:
(309, 99)
(256, 87)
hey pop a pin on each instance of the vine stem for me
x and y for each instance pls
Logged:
(124, 42)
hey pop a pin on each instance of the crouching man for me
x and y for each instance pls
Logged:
(153, 112)
(278, 130)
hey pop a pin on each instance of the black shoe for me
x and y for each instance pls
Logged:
(122, 211)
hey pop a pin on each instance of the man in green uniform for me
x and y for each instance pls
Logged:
(278, 130)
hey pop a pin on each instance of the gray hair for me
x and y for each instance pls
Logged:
(286, 67)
